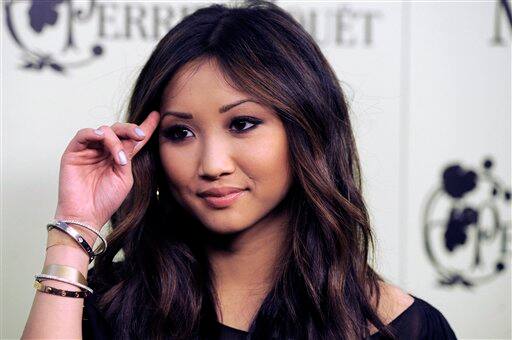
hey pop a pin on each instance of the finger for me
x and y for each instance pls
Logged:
(84, 138)
(149, 125)
(151, 122)
(129, 134)
(114, 146)
(128, 131)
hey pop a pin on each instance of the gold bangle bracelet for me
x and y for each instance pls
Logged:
(65, 272)
(42, 277)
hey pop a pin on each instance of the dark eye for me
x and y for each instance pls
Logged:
(178, 133)
(175, 133)
(241, 121)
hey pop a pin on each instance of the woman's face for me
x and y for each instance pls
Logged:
(221, 144)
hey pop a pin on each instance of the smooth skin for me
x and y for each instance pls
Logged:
(93, 183)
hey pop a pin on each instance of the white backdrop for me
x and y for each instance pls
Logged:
(429, 85)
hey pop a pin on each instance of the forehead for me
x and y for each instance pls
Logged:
(198, 79)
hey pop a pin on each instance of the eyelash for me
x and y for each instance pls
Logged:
(168, 132)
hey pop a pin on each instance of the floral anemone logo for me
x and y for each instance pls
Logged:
(466, 225)
(45, 31)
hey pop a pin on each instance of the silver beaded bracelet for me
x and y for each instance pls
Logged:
(66, 228)
(104, 242)
(39, 278)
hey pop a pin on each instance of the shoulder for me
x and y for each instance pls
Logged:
(411, 316)
(430, 322)
(393, 302)
(394, 299)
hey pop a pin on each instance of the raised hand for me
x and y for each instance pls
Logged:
(95, 170)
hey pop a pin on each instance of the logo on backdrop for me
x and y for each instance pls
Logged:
(502, 15)
(62, 34)
(40, 16)
(466, 225)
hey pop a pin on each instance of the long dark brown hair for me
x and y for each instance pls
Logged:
(324, 285)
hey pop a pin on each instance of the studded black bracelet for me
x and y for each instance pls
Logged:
(66, 228)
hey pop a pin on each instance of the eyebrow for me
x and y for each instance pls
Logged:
(222, 109)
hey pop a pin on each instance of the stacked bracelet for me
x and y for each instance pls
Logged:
(64, 227)
(64, 274)
(41, 277)
(60, 292)
(103, 241)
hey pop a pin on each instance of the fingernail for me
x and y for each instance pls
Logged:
(98, 132)
(139, 131)
(122, 158)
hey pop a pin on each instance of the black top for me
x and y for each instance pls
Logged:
(419, 321)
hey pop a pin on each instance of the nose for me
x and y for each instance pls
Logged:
(215, 159)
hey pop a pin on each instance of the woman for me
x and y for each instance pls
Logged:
(239, 211)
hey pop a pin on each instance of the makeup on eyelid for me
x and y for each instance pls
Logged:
(167, 132)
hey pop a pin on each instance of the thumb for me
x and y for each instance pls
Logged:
(125, 170)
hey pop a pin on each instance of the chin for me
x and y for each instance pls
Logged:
(224, 225)
(228, 220)
(223, 230)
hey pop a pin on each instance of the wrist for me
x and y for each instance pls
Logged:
(90, 222)
(87, 234)
(69, 256)
(58, 238)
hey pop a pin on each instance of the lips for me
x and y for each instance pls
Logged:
(219, 192)
(215, 200)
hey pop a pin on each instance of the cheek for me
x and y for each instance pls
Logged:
(178, 173)
(266, 162)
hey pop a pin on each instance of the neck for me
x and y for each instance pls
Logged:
(243, 265)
